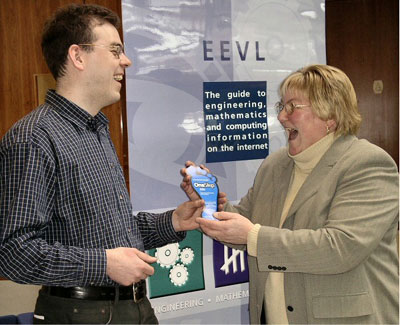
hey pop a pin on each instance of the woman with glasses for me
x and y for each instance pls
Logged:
(320, 222)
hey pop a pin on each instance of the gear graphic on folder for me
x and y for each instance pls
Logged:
(179, 275)
(167, 255)
(187, 255)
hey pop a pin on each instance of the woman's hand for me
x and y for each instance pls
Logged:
(231, 228)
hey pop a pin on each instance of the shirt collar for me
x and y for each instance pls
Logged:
(74, 113)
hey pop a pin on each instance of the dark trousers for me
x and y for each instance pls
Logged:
(57, 310)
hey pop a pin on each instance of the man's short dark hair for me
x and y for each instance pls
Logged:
(69, 25)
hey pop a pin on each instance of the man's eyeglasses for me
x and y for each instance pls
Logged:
(289, 107)
(116, 50)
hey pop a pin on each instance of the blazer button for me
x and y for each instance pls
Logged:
(270, 267)
(283, 268)
(290, 308)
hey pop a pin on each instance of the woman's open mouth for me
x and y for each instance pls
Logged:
(292, 133)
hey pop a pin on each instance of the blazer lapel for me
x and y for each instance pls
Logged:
(281, 180)
(312, 183)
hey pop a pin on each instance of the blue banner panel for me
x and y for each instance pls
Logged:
(186, 55)
(230, 265)
(235, 120)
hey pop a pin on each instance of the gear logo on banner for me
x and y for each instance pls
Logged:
(179, 267)
(230, 265)
(168, 257)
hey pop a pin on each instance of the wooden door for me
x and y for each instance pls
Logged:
(362, 39)
(21, 59)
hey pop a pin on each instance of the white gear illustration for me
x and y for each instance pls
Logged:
(167, 255)
(187, 255)
(179, 275)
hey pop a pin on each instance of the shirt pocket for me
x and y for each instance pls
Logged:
(354, 305)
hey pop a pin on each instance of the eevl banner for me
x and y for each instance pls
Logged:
(202, 87)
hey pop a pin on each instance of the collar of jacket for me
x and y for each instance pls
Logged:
(313, 181)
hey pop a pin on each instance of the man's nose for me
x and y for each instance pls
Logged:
(125, 61)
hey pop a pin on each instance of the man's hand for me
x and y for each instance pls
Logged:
(187, 187)
(184, 217)
(128, 265)
(231, 228)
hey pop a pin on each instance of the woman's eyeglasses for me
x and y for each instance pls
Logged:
(288, 107)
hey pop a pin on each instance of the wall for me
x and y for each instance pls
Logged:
(16, 298)
(362, 39)
(21, 58)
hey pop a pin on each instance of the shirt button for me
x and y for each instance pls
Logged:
(129, 230)
(290, 308)
(120, 197)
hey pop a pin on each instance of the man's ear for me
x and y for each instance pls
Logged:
(75, 56)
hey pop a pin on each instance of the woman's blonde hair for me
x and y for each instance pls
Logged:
(331, 95)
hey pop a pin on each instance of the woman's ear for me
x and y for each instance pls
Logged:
(331, 125)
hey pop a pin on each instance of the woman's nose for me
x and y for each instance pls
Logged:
(282, 116)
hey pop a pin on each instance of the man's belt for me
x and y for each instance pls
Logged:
(135, 292)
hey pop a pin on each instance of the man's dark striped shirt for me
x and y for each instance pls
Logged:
(63, 199)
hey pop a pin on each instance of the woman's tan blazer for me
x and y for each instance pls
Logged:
(338, 247)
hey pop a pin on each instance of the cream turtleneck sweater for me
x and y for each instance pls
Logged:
(305, 161)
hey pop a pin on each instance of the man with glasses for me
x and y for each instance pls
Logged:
(66, 216)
